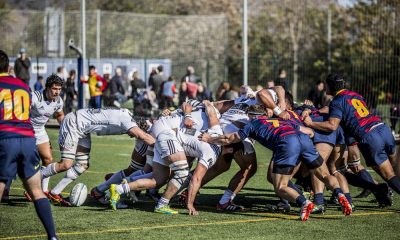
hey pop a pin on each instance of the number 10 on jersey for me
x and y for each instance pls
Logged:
(16, 102)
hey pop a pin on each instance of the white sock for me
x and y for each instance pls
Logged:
(228, 196)
(45, 184)
(48, 171)
(123, 188)
(115, 178)
(61, 185)
(162, 202)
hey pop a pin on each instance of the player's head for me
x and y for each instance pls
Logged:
(289, 101)
(53, 86)
(256, 111)
(92, 70)
(144, 124)
(335, 83)
(4, 62)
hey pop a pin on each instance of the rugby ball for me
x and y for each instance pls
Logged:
(78, 195)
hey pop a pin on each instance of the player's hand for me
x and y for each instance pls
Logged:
(166, 112)
(284, 115)
(308, 102)
(305, 114)
(307, 121)
(188, 122)
(192, 210)
(205, 137)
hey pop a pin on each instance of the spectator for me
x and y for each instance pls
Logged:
(168, 91)
(270, 84)
(116, 88)
(21, 66)
(96, 86)
(191, 90)
(183, 92)
(223, 87)
(283, 81)
(203, 93)
(39, 85)
(70, 92)
(136, 83)
(157, 80)
(317, 94)
(62, 73)
(232, 93)
(190, 76)
(107, 97)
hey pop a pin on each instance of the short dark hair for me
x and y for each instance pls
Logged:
(289, 99)
(54, 79)
(4, 61)
(60, 68)
(91, 67)
(335, 82)
(40, 78)
(160, 68)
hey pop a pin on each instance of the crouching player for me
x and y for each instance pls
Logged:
(288, 144)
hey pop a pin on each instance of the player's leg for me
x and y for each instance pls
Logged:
(2, 187)
(28, 171)
(45, 153)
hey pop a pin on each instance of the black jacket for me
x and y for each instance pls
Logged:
(21, 69)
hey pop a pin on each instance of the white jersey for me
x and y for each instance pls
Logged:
(238, 112)
(42, 109)
(107, 121)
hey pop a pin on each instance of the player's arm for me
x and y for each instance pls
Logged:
(280, 92)
(328, 126)
(265, 98)
(307, 130)
(223, 105)
(140, 134)
(187, 110)
(211, 114)
(59, 116)
(194, 187)
(221, 140)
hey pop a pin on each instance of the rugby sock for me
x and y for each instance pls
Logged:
(394, 183)
(45, 184)
(337, 191)
(284, 201)
(123, 188)
(50, 170)
(319, 198)
(301, 200)
(61, 185)
(115, 178)
(43, 211)
(292, 185)
(162, 202)
(348, 196)
(362, 180)
(228, 196)
(137, 177)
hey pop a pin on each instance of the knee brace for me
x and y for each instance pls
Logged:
(67, 155)
(353, 163)
(180, 171)
(83, 159)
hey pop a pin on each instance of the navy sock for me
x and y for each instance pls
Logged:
(319, 198)
(43, 211)
(300, 200)
(337, 191)
(284, 200)
(394, 183)
(361, 180)
(348, 196)
(292, 185)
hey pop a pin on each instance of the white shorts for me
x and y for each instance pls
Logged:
(141, 147)
(41, 136)
(166, 145)
(70, 137)
(209, 153)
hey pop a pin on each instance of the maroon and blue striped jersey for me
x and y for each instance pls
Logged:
(351, 109)
(15, 101)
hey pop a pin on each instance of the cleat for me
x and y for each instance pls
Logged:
(306, 210)
(281, 207)
(27, 196)
(333, 200)
(165, 210)
(108, 176)
(153, 194)
(229, 207)
(134, 196)
(364, 194)
(384, 196)
(58, 200)
(96, 194)
(346, 206)
(318, 209)
(114, 196)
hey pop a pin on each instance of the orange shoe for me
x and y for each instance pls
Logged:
(346, 206)
(57, 199)
(306, 210)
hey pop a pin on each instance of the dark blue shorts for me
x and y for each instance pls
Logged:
(333, 138)
(288, 151)
(18, 155)
(377, 145)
